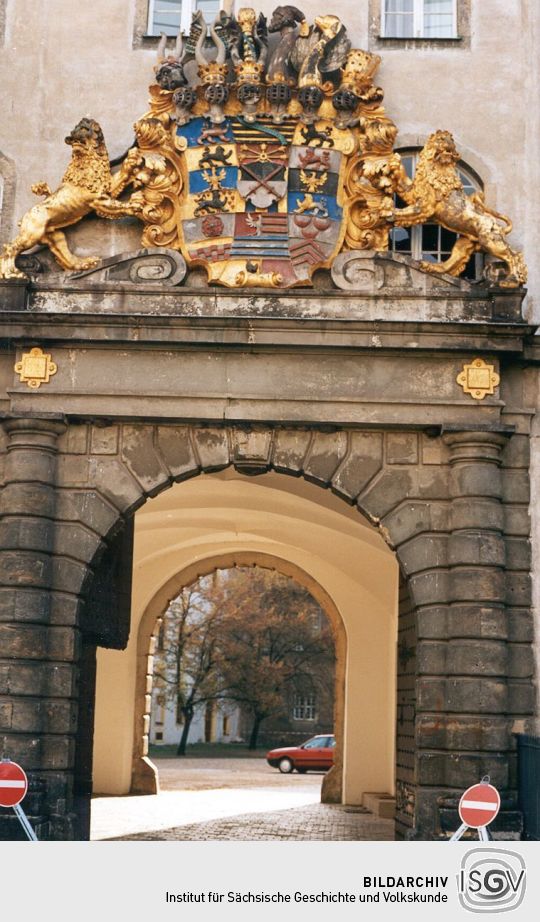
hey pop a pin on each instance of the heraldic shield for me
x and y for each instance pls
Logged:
(261, 200)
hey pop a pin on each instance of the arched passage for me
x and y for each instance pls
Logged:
(229, 519)
(144, 773)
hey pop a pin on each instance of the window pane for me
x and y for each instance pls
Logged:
(209, 9)
(166, 17)
(430, 238)
(400, 240)
(399, 6)
(439, 19)
(399, 25)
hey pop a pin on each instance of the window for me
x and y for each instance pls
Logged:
(431, 242)
(170, 16)
(305, 707)
(419, 19)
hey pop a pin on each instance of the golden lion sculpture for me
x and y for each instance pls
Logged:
(87, 185)
(436, 193)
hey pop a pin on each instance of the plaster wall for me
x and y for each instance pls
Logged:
(297, 523)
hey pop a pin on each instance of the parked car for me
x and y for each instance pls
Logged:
(316, 753)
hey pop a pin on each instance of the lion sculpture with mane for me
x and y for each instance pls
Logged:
(87, 185)
(436, 194)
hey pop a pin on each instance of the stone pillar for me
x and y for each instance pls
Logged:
(463, 729)
(38, 638)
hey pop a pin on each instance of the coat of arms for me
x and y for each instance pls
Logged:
(266, 151)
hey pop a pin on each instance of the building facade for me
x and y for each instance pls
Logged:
(152, 404)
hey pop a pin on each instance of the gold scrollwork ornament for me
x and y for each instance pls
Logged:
(478, 379)
(35, 368)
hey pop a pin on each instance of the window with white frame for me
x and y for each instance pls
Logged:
(419, 19)
(170, 16)
(305, 707)
(431, 242)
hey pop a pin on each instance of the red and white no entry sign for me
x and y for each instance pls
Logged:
(479, 805)
(13, 784)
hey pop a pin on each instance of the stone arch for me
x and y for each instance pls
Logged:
(144, 774)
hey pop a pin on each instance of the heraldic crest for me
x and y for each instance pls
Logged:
(266, 151)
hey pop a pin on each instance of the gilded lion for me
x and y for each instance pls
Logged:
(437, 193)
(87, 185)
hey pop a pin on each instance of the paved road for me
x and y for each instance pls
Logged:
(206, 774)
(231, 799)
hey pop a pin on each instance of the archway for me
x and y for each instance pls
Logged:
(290, 526)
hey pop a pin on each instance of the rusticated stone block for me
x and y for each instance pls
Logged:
(517, 520)
(24, 641)
(429, 588)
(251, 448)
(518, 588)
(290, 450)
(431, 622)
(461, 770)
(475, 734)
(473, 513)
(430, 658)
(470, 619)
(363, 460)
(212, 446)
(142, 460)
(29, 465)
(104, 440)
(72, 470)
(433, 451)
(69, 575)
(520, 625)
(31, 605)
(76, 541)
(476, 657)
(6, 715)
(520, 661)
(476, 480)
(74, 441)
(175, 447)
(521, 697)
(401, 448)
(26, 499)
(388, 491)
(483, 695)
(113, 481)
(38, 678)
(483, 548)
(25, 568)
(413, 517)
(31, 715)
(481, 584)
(326, 454)
(516, 452)
(26, 533)
(422, 553)
(89, 508)
(57, 752)
(516, 486)
(518, 554)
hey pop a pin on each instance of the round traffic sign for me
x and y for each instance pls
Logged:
(13, 784)
(479, 805)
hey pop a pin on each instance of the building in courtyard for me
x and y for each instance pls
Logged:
(309, 249)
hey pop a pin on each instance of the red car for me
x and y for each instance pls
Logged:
(316, 754)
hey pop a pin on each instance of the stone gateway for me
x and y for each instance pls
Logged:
(251, 318)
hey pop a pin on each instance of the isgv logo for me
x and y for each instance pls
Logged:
(491, 880)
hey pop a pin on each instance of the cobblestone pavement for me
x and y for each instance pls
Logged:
(316, 822)
(196, 774)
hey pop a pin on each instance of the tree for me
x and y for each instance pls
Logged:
(248, 635)
(274, 639)
(187, 663)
